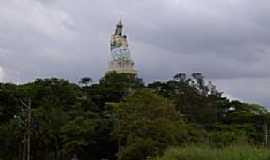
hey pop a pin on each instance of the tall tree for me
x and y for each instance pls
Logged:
(146, 124)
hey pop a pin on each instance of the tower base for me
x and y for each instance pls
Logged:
(122, 66)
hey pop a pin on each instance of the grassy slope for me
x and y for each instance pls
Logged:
(206, 153)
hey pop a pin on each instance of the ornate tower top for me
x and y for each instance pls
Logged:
(121, 59)
(119, 28)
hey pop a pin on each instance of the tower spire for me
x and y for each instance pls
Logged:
(120, 22)
(119, 28)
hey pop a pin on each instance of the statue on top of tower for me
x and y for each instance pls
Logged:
(119, 28)
(121, 62)
(117, 39)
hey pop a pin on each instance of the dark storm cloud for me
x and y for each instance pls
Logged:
(226, 40)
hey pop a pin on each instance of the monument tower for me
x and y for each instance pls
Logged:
(121, 60)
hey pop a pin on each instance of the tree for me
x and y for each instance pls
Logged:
(121, 118)
(146, 125)
(78, 133)
(85, 81)
(46, 137)
(113, 87)
(180, 77)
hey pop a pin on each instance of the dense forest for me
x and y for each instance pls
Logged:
(121, 118)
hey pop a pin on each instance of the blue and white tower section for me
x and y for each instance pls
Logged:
(121, 60)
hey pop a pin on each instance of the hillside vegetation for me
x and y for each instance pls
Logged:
(206, 153)
(121, 118)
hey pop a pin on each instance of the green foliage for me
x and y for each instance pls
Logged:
(147, 116)
(8, 102)
(113, 87)
(53, 91)
(85, 81)
(225, 136)
(120, 118)
(77, 133)
(189, 101)
(10, 137)
(207, 153)
(141, 148)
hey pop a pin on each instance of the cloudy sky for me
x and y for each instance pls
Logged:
(228, 41)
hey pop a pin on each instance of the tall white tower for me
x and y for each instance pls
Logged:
(121, 60)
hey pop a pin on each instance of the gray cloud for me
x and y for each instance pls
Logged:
(255, 90)
(2, 74)
(228, 41)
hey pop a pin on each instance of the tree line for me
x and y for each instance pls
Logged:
(121, 118)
